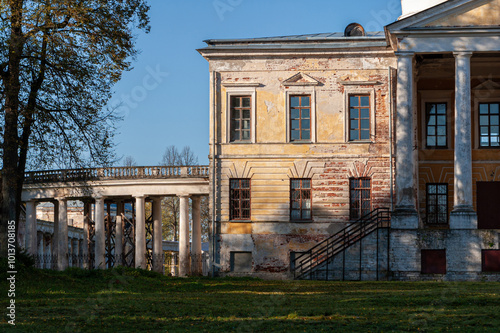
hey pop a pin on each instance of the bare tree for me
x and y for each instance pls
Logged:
(129, 161)
(170, 214)
(58, 63)
(173, 157)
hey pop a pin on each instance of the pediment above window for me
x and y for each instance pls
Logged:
(300, 79)
(488, 85)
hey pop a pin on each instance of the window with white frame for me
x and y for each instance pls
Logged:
(240, 113)
(359, 112)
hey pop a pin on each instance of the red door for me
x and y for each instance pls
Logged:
(488, 205)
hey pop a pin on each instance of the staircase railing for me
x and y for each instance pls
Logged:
(305, 263)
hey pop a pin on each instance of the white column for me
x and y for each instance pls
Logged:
(157, 236)
(55, 235)
(184, 236)
(405, 210)
(140, 232)
(196, 264)
(463, 215)
(119, 233)
(85, 247)
(62, 235)
(100, 237)
(31, 241)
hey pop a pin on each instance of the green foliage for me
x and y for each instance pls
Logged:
(129, 300)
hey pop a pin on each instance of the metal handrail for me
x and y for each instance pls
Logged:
(305, 262)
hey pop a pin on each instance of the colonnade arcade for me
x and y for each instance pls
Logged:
(122, 218)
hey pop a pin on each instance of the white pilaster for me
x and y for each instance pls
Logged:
(463, 215)
(31, 232)
(196, 264)
(119, 233)
(157, 236)
(140, 232)
(184, 236)
(100, 237)
(405, 214)
(62, 238)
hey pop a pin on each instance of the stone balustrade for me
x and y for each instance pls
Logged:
(111, 173)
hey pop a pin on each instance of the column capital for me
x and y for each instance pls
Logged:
(184, 195)
(60, 198)
(464, 54)
(139, 196)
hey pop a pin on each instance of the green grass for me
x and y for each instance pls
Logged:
(125, 300)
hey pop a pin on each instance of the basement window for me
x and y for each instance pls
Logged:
(490, 260)
(433, 261)
(241, 262)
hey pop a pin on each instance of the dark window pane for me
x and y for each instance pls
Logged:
(246, 114)
(305, 101)
(365, 113)
(354, 101)
(246, 102)
(431, 130)
(432, 109)
(235, 102)
(295, 124)
(354, 114)
(246, 135)
(365, 101)
(484, 120)
(354, 135)
(365, 124)
(441, 130)
(295, 114)
(365, 135)
(236, 136)
(354, 124)
(494, 120)
(432, 121)
(294, 101)
(306, 135)
(306, 123)
(306, 113)
(441, 141)
(441, 120)
(494, 108)
(295, 135)
(441, 108)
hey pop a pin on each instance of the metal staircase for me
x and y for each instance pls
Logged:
(306, 265)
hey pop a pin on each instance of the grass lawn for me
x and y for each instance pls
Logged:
(125, 300)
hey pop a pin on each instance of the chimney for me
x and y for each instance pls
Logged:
(411, 7)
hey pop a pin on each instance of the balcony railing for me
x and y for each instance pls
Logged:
(112, 173)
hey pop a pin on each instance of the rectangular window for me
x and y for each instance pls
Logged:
(240, 118)
(359, 117)
(239, 200)
(360, 197)
(300, 118)
(437, 203)
(489, 128)
(433, 261)
(490, 260)
(300, 199)
(436, 125)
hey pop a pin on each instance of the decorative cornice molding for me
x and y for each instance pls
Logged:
(360, 83)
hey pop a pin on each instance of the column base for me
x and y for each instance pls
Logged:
(404, 217)
(463, 217)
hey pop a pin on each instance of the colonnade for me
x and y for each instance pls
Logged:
(463, 215)
(189, 256)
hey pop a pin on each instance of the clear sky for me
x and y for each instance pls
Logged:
(165, 98)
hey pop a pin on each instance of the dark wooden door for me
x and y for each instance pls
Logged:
(488, 205)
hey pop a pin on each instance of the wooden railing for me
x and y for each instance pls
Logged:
(143, 172)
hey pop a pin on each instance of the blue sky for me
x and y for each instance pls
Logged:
(164, 100)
